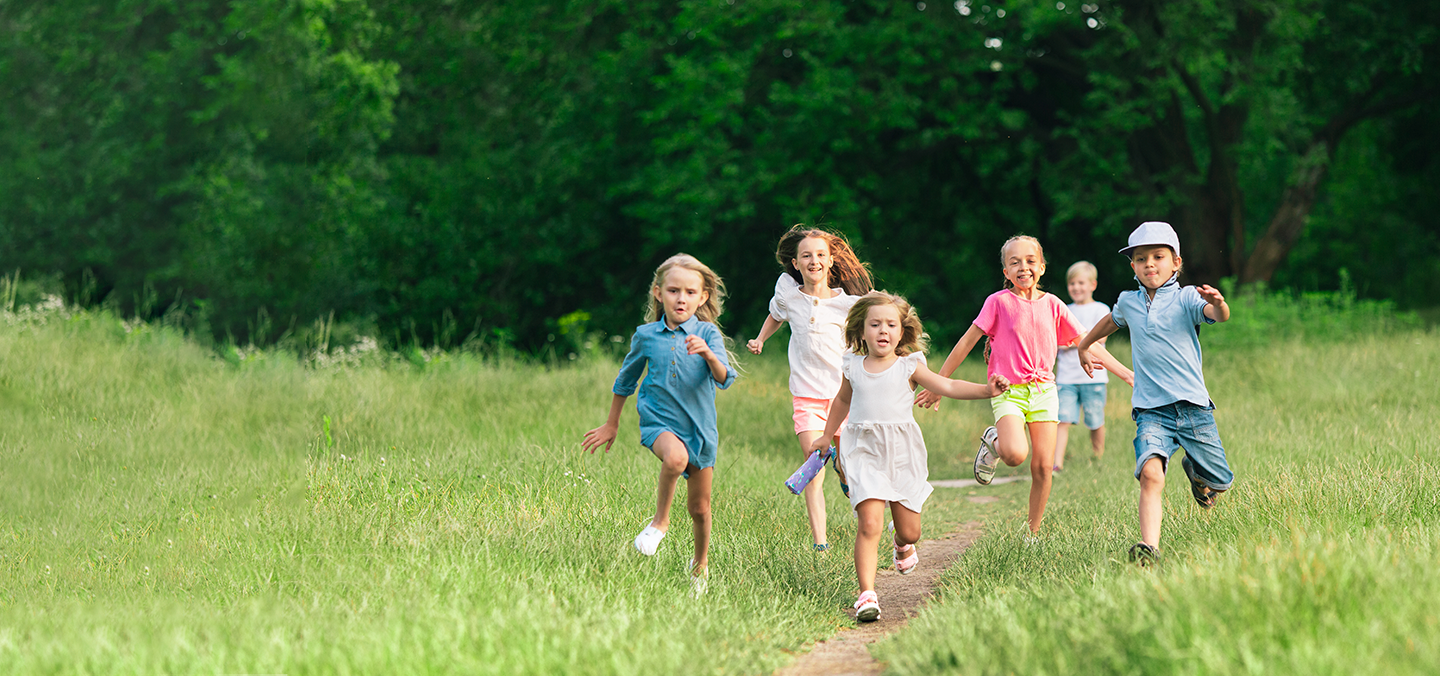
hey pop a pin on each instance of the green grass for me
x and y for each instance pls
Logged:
(169, 511)
(1321, 560)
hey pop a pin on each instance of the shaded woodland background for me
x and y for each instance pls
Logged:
(511, 173)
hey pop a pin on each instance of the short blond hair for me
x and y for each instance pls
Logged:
(912, 334)
(1085, 268)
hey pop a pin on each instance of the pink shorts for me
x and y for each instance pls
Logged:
(811, 414)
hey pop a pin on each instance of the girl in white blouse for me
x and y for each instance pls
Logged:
(881, 444)
(822, 279)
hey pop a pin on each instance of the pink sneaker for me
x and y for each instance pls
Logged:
(907, 564)
(867, 607)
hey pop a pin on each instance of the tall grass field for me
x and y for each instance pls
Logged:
(169, 508)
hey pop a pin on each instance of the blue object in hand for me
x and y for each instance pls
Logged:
(814, 465)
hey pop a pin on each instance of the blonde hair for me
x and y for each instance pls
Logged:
(912, 334)
(1021, 238)
(846, 270)
(714, 287)
(1085, 268)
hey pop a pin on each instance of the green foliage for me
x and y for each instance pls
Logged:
(1261, 317)
(475, 171)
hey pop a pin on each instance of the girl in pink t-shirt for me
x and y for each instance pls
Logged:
(1025, 326)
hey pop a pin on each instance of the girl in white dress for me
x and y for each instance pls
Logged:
(823, 278)
(881, 445)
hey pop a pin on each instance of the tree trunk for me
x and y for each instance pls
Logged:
(1289, 219)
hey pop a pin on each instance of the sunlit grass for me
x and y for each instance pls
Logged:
(1321, 560)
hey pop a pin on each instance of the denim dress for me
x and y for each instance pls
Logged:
(678, 393)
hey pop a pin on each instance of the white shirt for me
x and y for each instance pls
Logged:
(1067, 366)
(817, 336)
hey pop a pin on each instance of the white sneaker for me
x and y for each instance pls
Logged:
(649, 540)
(987, 458)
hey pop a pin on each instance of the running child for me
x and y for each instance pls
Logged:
(822, 279)
(684, 352)
(1171, 407)
(883, 449)
(1079, 390)
(1025, 326)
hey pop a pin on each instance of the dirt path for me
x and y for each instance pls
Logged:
(901, 596)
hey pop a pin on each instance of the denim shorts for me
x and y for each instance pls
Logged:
(1090, 396)
(1160, 431)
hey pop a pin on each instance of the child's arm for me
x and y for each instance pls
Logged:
(719, 370)
(1216, 309)
(967, 342)
(1112, 364)
(1102, 328)
(839, 410)
(605, 434)
(957, 389)
(756, 344)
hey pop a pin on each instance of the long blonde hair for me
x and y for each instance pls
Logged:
(714, 287)
(912, 333)
(846, 270)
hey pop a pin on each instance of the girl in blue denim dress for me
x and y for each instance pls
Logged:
(1171, 407)
(684, 353)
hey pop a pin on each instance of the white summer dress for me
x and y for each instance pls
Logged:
(881, 447)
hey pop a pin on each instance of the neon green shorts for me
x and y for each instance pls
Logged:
(1033, 402)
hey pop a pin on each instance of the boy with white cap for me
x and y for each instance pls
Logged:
(1170, 405)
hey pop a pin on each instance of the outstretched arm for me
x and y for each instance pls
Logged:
(604, 435)
(967, 342)
(956, 389)
(1216, 309)
(1112, 364)
(839, 410)
(1102, 328)
(756, 344)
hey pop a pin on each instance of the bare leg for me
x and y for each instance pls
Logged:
(1042, 443)
(1011, 445)
(673, 458)
(1062, 437)
(697, 499)
(907, 525)
(1152, 492)
(1097, 441)
(815, 492)
(870, 518)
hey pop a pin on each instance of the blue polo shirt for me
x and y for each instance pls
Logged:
(1164, 345)
(678, 394)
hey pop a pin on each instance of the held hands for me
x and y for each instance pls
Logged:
(603, 435)
(755, 345)
(997, 386)
(1090, 363)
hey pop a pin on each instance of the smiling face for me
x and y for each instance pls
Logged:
(882, 330)
(1154, 265)
(681, 292)
(1081, 288)
(1024, 264)
(812, 259)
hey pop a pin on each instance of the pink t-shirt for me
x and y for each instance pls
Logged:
(1024, 335)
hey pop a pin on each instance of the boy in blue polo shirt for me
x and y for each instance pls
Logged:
(1170, 404)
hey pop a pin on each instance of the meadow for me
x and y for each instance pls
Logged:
(169, 508)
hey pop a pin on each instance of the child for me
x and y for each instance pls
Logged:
(883, 449)
(1025, 326)
(1079, 390)
(822, 280)
(684, 352)
(1171, 406)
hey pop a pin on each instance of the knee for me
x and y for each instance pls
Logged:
(909, 534)
(699, 508)
(1152, 474)
(675, 461)
(1040, 472)
(869, 528)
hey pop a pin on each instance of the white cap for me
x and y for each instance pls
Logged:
(1153, 233)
